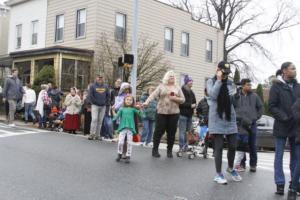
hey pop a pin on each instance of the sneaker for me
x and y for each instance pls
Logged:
(252, 168)
(239, 168)
(292, 195)
(92, 137)
(280, 189)
(234, 175)
(219, 178)
(12, 125)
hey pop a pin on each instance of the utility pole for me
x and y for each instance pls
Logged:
(135, 47)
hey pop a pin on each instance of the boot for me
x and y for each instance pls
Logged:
(127, 159)
(292, 195)
(119, 157)
(155, 153)
(280, 190)
(169, 154)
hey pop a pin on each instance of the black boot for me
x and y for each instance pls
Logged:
(119, 157)
(155, 153)
(280, 190)
(169, 154)
(127, 159)
(292, 195)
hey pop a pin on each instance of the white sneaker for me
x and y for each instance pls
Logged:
(234, 175)
(12, 125)
(219, 178)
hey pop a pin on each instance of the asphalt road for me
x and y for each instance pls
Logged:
(54, 166)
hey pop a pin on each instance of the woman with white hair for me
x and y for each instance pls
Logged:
(43, 105)
(169, 97)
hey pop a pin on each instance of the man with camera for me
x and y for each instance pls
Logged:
(222, 120)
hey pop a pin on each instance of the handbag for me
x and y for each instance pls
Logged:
(136, 138)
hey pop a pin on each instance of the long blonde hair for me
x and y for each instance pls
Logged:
(167, 77)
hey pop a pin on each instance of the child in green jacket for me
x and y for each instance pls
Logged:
(127, 126)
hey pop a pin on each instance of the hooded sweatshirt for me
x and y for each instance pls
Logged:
(13, 89)
(120, 98)
(99, 94)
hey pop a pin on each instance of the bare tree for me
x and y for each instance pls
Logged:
(241, 28)
(151, 62)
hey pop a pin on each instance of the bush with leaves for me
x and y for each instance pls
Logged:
(45, 76)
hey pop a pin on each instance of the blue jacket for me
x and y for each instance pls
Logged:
(99, 95)
(216, 125)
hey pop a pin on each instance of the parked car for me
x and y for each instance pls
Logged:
(264, 136)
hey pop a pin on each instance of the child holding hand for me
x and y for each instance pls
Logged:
(127, 126)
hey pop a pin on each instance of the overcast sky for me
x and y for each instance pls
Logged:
(284, 46)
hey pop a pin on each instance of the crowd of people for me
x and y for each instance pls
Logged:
(230, 112)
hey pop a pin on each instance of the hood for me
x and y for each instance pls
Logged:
(123, 87)
(277, 79)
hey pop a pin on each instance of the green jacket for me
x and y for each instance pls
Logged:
(126, 115)
(150, 110)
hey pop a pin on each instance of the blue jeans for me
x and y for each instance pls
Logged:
(29, 111)
(107, 127)
(252, 147)
(279, 150)
(185, 125)
(147, 131)
(296, 175)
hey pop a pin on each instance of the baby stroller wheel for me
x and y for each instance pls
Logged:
(191, 156)
(179, 154)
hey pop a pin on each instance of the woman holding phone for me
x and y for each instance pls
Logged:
(169, 96)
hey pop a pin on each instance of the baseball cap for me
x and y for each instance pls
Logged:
(225, 67)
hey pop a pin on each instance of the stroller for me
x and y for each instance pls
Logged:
(56, 121)
(197, 140)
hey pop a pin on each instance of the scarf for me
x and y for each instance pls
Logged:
(224, 102)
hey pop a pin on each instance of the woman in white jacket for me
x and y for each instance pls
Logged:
(29, 99)
(72, 119)
(43, 105)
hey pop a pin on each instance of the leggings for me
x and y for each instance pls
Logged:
(231, 145)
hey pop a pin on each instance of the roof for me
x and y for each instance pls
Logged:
(54, 49)
(14, 2)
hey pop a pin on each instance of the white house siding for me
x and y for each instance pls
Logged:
(69, 9)
(4, 24)
(154, 17)
(25, 13)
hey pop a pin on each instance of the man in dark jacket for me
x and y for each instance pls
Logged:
(99, 98)
(283, 94)
(12, 92)
(249, 109)
(186, 110)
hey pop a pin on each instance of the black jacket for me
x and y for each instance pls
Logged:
(281, 99)
(186, 107)
(296, 115)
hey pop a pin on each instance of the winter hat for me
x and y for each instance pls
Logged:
(187, 79)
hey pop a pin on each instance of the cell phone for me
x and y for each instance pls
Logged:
(172, 94)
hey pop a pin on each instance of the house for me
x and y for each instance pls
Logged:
(5, 61)
(73, 29)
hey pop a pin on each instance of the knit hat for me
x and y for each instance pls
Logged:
(187, 79)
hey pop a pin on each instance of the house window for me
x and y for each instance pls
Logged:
(34, 35)
(80, 23)
(120, 32)
(59, 28)
(169, 40)
(19, 36)
(185, 44)
(24, 69)
(75, 73)
(209, 48)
